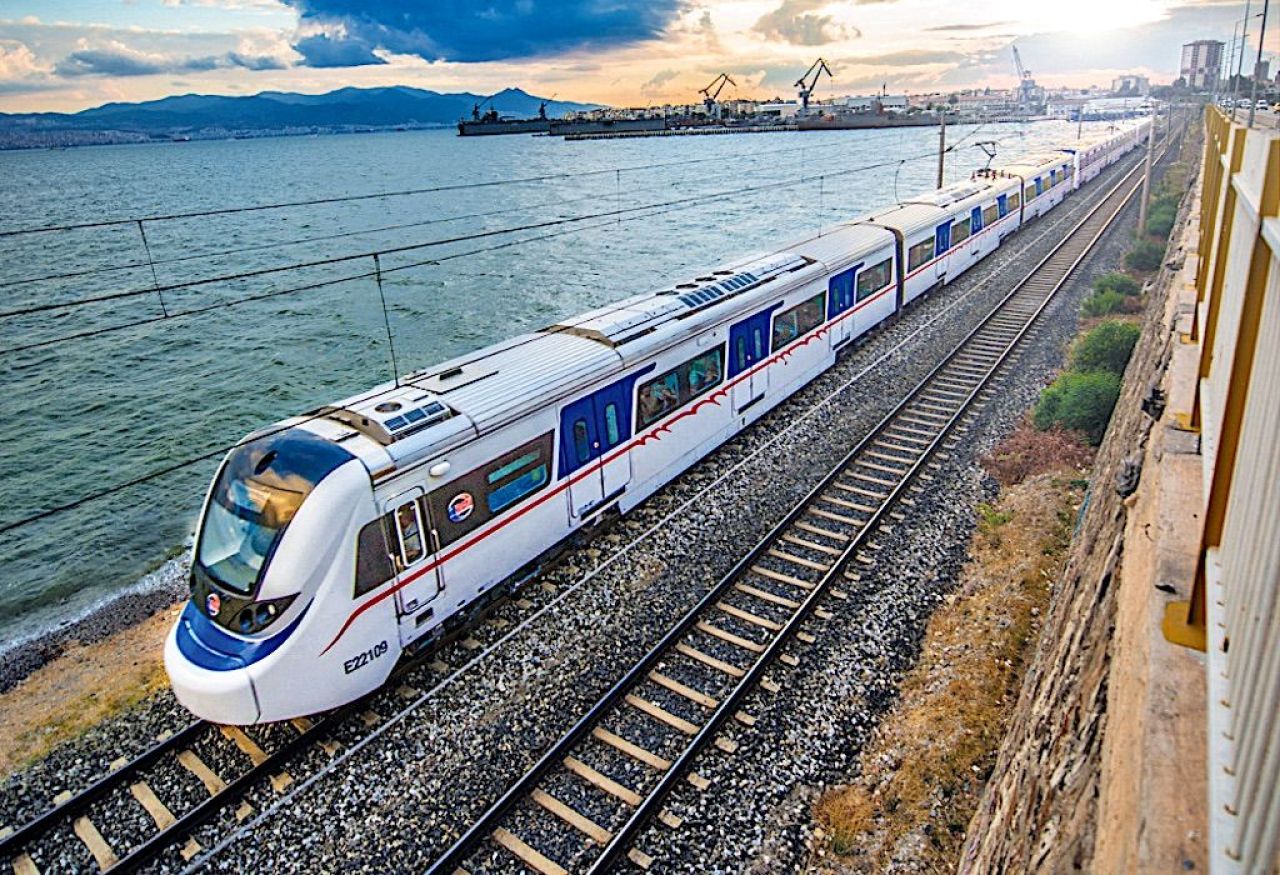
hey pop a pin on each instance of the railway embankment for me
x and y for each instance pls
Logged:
(1092, 772)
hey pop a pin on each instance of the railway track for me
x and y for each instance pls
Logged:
(581, 807)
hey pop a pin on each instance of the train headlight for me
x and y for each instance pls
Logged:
(259, 615)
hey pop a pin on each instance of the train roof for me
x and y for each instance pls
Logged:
(909, 217)
(430, 411)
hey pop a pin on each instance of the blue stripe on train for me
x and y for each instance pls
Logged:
(207, 646)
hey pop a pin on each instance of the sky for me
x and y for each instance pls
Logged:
(67, 55)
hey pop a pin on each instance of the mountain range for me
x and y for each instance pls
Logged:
(199, 116)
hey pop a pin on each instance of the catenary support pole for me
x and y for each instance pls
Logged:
(942, 145)
(1262, 37)
(1244, 43)
(1146, 175)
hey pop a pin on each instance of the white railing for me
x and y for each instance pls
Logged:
(1236, 600)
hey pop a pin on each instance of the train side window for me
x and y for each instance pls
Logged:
(1030, 193)
(581, 441)
(612, 434)
(873, 279)
(1015, 201)
(665, 393)
(797, 321)
(959, 232)
(512, 479)
(920, 253)
(373, 557)
(700, 374)
(409, 525)
(990, 215)
(658, 397)
(483, 493)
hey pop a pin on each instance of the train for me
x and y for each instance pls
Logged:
(334, 543)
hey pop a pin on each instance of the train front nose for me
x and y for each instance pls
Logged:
(209, 677)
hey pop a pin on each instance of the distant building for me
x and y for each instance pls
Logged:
(1201, 63)
(783, 109)
(1138, 85)
(1262, 71)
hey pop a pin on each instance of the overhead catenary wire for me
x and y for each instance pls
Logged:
(108, 491)
(172, 468)
(694, 200)
(284, 244)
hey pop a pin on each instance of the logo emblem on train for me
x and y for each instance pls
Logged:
(347, 531)
(460, 507)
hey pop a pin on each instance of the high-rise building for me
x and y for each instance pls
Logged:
(1262, 70)
(1202, 63)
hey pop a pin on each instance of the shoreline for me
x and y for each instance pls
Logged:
(148, 596)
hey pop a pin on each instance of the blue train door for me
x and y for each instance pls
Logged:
(748, 347)
(975, 225)
(593, 434)
(941, 243)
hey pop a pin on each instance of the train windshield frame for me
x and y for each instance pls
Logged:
(258, 492)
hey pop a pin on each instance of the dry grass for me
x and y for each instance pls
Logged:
(81, 688)
(923, 769)
(1029, 451)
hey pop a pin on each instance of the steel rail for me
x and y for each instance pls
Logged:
(622, 838)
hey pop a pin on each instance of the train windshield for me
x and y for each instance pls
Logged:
(257, 494)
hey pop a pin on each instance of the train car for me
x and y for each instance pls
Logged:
(1045, 180)
(1089, 159)
(333, 542)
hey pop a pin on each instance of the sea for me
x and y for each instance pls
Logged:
(182, 333)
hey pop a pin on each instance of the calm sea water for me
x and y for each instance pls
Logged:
(91, 413)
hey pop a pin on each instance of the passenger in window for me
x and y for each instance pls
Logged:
(650, 406)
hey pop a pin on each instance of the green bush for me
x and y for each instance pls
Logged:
(1105, 348)
(1117, 282)
(1102, 303)
(1144, 256)
(1160, 220)
(1082, 402)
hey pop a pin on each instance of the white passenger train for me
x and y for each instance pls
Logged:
(334, 542)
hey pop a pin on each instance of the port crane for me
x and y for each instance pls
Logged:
(710, 98)
(542, 107)
(816, 69)
(491, 115)
(1026, 85)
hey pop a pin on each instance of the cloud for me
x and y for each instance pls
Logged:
(908, 58)
(795, 22)
(323, 50)
(357, 32)
(654, 85)
(964, 27)
(117, 59)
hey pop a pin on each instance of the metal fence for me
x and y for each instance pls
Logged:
(1235, 603)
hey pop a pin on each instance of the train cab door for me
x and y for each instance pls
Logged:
(412, 543)
(941, 243)
(593, 448)
(748, 348)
